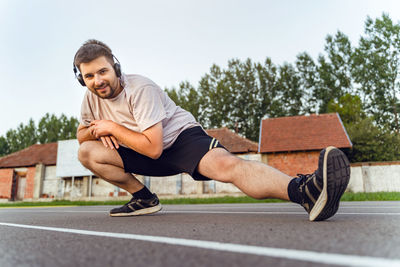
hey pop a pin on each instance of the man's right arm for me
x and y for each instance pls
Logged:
(84, 134)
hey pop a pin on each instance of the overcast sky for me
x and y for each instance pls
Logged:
(167, 41)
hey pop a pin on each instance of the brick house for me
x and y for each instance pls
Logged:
(22, 172)
(39, 171)
(292, 144)
(233, 142)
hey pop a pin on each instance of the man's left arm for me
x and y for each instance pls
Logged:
(148, 143)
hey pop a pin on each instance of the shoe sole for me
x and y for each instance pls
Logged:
(138, 212)
(338, 169)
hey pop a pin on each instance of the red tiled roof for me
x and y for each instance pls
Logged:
(232, 141)
(301, 133)
(30, 156)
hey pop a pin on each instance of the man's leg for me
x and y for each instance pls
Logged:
(107, 164)
(253, 178)
(319, 193)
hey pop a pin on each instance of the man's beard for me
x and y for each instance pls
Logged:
(109, 95)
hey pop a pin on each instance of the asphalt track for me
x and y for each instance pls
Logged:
(360, 234)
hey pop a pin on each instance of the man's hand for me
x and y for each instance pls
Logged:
(109, 141)
(103, 129)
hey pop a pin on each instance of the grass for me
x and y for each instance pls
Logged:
(380, 196)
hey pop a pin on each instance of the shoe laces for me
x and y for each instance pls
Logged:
(304, 178)
(132, 201)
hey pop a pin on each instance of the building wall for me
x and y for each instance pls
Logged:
(101, 188)
(168, 185)
(50, 183)
(293, 163)
(6, 176)
(30, 182)
(375, 177)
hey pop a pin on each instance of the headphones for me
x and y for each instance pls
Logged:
(79, 77)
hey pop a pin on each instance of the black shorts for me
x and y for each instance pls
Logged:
(183, 156)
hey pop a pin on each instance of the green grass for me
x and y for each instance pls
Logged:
(380, 196)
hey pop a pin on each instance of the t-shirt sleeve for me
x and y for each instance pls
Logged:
(148, 107)
(86, 111)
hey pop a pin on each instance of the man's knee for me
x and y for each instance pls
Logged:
(227, 162)
(85, 153)
(93, 152)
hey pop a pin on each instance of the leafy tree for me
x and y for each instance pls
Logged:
(359, 82)
(244, 110)
(376, 68)
(349, 107)
(49, 129)
(290, 90)
(240, 96)
(334, 71)
(22, 137)
(4, 148)
(371, 143)
(307, 72)
(217, 98)
(186, 97)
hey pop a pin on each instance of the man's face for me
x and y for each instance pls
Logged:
(100, 78)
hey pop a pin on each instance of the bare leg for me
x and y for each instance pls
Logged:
(107, 164)
(254, 178)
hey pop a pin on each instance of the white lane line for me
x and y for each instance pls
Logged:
(206, 212)
(278, 212)
(302, 255)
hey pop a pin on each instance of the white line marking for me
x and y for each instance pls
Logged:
(302, 255)
(207, 212)
(279, 212)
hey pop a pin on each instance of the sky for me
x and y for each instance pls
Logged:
(168, 41)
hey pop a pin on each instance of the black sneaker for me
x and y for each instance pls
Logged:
(138, 207)
(321, 191)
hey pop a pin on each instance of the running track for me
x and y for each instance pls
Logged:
(360, 234)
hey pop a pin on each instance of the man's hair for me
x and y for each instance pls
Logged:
(90, 50)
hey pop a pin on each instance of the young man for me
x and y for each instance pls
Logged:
(129, 125)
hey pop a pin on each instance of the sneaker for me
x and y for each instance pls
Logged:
(321, 191)
(138, 207)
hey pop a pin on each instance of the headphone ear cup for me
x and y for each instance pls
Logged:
(117, 68)
(80, 80)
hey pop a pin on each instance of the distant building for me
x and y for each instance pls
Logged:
(22, 173)
(54, 171)
(233, 142)
(293, 144)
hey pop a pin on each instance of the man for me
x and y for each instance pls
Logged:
(129, 125)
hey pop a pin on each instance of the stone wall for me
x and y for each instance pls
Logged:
(375, 177)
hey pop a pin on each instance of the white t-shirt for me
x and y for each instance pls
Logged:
(140, 105)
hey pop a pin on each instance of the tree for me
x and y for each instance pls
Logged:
(334, 71)
(359, 82)
(371, 143)
(349, 107)
(240, 96)
(376, 68)
(186, 97)
(50, 129)
(4, 148)
(290, 90)
(309, 80)
(22, 137)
